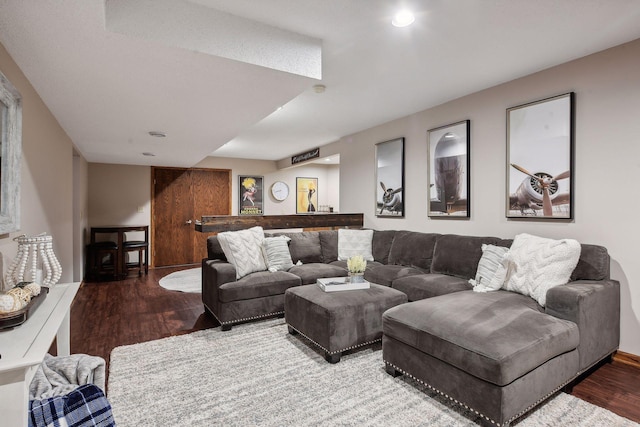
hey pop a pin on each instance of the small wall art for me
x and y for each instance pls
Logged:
(448, 178)
(251, 195)
(390, 178)
(306, 195)
(540, 159)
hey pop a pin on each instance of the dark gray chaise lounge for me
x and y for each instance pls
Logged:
(498, 353)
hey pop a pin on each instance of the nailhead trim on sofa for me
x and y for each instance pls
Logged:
(507, 423)
(244, 319)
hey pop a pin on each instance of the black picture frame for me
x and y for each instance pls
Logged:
(390, 200)
(449, 177)
(540, 159)
(250, 195)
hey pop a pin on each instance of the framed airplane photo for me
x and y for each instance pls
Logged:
(390, 178)
(540, 159)
(448, 176)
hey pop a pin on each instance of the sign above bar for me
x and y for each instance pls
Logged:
(311, 154)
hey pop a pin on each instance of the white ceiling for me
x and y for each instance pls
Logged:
(109, 84)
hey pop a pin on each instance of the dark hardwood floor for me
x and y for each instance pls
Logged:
(109, 314)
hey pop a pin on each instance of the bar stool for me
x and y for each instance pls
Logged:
(102, 260)
(138, 246)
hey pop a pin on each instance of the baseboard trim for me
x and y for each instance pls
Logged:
(627, 358)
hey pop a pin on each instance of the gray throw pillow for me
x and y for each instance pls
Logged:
(276, 253)
(492, 269)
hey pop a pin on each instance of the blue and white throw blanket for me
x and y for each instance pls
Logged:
(85, 406)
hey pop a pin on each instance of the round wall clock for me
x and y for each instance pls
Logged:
(279, 190)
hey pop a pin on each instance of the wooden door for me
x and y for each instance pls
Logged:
(212, 194)
(180, 196)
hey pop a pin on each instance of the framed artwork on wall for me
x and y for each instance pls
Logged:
(540, 159)
(306, 195)
(251, 197)
(448, 183)
(390, 178)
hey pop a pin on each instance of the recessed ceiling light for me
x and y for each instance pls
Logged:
(157, 134)
(148, 154)
(328, 159)
(319, 88)
(403, 18)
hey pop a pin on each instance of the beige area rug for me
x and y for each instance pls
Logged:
(259, 375)
(184, 280)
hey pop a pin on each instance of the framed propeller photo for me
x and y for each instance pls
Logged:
(540, 140)
(390, 178)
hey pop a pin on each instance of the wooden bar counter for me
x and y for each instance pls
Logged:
(218, 224)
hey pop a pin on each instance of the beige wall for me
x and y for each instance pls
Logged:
(46, 203)
(607, 153)
(121, 194)
(328, 191)
(80, 213)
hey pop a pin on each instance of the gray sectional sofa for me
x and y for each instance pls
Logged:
(499, 353)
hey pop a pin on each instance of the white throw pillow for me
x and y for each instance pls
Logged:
(355, 242)
(276, 253)
(492, 269)
(243, 249)
(537, 264)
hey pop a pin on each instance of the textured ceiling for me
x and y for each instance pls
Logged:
(108, 84)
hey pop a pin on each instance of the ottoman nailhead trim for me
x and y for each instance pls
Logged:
(542, 399)
(336, 351)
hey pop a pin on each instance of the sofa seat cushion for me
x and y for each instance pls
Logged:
(495, 336)
(257, 285)
(310, 273)
(386, 274)
(421, 286)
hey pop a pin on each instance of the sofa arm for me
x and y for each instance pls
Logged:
(215, 272)
(595, 307)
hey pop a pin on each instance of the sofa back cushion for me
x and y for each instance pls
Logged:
(304, 246)
(594, 264)
(329, 244)
(381, 245)
(459, 256)
(214, 250)
(413, 249)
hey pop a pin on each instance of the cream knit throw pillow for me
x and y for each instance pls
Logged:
(537, 264)
(243, 249)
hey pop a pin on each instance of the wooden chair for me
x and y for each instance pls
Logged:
(142, 248)
(102, 260)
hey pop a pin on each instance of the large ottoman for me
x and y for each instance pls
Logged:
(339, 321)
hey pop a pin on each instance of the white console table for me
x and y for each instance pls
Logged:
(22, 349)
